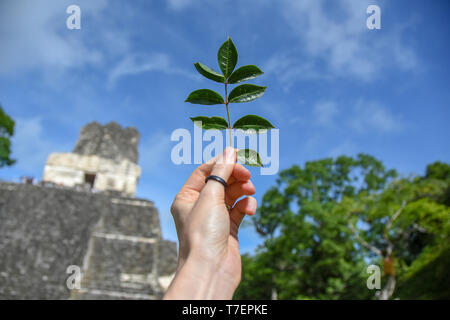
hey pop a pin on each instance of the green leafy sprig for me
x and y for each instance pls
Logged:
(227, 57)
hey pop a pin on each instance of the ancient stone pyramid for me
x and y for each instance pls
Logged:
(50, 230)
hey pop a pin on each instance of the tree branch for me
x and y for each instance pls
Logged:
(395, 216)
(364, 242)
(391, 220)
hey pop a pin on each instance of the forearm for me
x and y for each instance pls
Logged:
(200, 280)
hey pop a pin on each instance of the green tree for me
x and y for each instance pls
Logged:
(6, 132)
(326, 222)
(426, 277)
(441, 172)
(402, 223)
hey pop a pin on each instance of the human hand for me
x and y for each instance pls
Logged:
(207, 231)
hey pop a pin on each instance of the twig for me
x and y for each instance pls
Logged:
(395, 216)
(364, 242)
(389, 226)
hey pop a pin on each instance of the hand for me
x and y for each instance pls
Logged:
(209, 257)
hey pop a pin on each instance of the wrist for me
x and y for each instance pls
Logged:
(193, 280)
(222, 283)
(202, 279)
(223, 286)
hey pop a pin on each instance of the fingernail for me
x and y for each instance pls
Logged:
(229, 153)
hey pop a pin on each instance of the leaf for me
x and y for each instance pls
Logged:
(227, 57)
(205, 96)
(209, 73)
(246, 93)
(254, 122)
(249, 157)
(213, 123)
(244, 73)
(6, 123)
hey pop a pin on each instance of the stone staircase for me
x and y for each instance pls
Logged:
(115, 241)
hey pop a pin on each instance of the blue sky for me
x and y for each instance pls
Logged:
(334, 87)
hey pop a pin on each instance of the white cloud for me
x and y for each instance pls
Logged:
(345, 148)
(179, 4)
(34, 35)
(154, 151)
(134, 64)
(361, 117)
(337, 43)
(369, 115)
(325, 112)
(288, 67)
(31, 147)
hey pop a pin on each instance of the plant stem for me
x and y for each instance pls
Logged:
(228, 113)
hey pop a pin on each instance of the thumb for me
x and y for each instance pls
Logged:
(223, 168)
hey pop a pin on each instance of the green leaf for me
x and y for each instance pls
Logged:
(227, 57)
(205, 96)
(209, 73)
(213, 123)
(246, 93)
(249, 157)
(6, 124)
(244, 73)
(254, 122)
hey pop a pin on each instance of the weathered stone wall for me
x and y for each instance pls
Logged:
(109, 141)
(115, 240)
(69, 170)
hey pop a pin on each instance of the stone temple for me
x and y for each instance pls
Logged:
(81, 233)
(105, 158)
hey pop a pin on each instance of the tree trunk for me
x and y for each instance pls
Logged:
(388, 290)
(274, 295)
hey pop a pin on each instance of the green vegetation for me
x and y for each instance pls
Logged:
(6, 132)
(323, 224)
(227, 57)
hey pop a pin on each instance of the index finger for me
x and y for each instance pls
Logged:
(196, 181)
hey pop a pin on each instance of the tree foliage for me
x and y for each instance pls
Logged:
(326, 222)
(6, 132)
